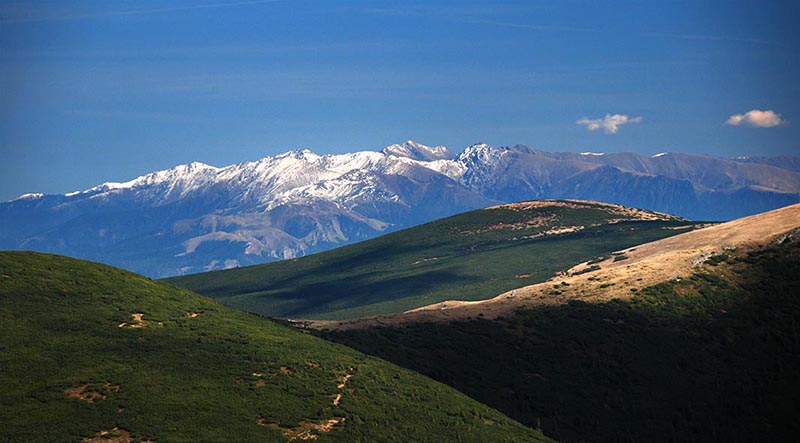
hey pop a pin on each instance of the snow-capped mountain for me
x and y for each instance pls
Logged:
(199, 217)
(416, 151)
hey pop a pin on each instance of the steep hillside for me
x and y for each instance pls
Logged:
(197, 217)
(96, 354)
(709, 356)
(471, 256)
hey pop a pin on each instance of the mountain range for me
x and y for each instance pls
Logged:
(198, 217)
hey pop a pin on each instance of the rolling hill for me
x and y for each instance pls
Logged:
(97, 354)
(619, 274)
(471, 256)
(689, 338)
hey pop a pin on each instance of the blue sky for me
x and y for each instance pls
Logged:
(106, 91)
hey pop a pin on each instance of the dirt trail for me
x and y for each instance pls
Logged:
(635, 268)
(308, 429)
(344, 381)
(342, 385)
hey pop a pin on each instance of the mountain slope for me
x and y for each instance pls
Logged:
(708, 356)
(96, 354)
(470, 256)
(197, 217)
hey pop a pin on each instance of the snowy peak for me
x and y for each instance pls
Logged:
(480, 153)
(418, 151)
(300, 154)
(30, 196)
(176, 181)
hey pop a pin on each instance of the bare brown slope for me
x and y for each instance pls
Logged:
(644, 265)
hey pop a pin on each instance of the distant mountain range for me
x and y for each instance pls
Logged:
(198, 217)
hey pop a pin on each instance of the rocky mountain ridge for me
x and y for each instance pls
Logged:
(198, 217)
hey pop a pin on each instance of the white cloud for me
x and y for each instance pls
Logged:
(610, 124)
(756, 119)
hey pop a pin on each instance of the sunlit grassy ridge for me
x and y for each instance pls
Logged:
(471, 256)
(89, 351)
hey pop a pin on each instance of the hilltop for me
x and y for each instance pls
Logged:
(470, 256)
(97, 354)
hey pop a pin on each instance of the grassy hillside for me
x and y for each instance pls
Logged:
(96, 354)
(470, 256)
(713, 357)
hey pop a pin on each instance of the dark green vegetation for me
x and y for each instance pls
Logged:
(471, 256)
(710, 358)
(87, 349)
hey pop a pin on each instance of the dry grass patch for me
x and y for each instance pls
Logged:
(90, 393)
(115, 435)
(306, 430)
(260, 376)
(138, 322)
(623, 211)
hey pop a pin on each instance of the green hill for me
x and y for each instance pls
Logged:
(471, 256)
(711, 357)
(95, 354)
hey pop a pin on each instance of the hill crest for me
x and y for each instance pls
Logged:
(616, 275)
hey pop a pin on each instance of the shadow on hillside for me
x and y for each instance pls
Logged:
(363, 289)
(719, 365)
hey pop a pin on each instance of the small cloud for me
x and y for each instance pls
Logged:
(610, 124)
(756, 119)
